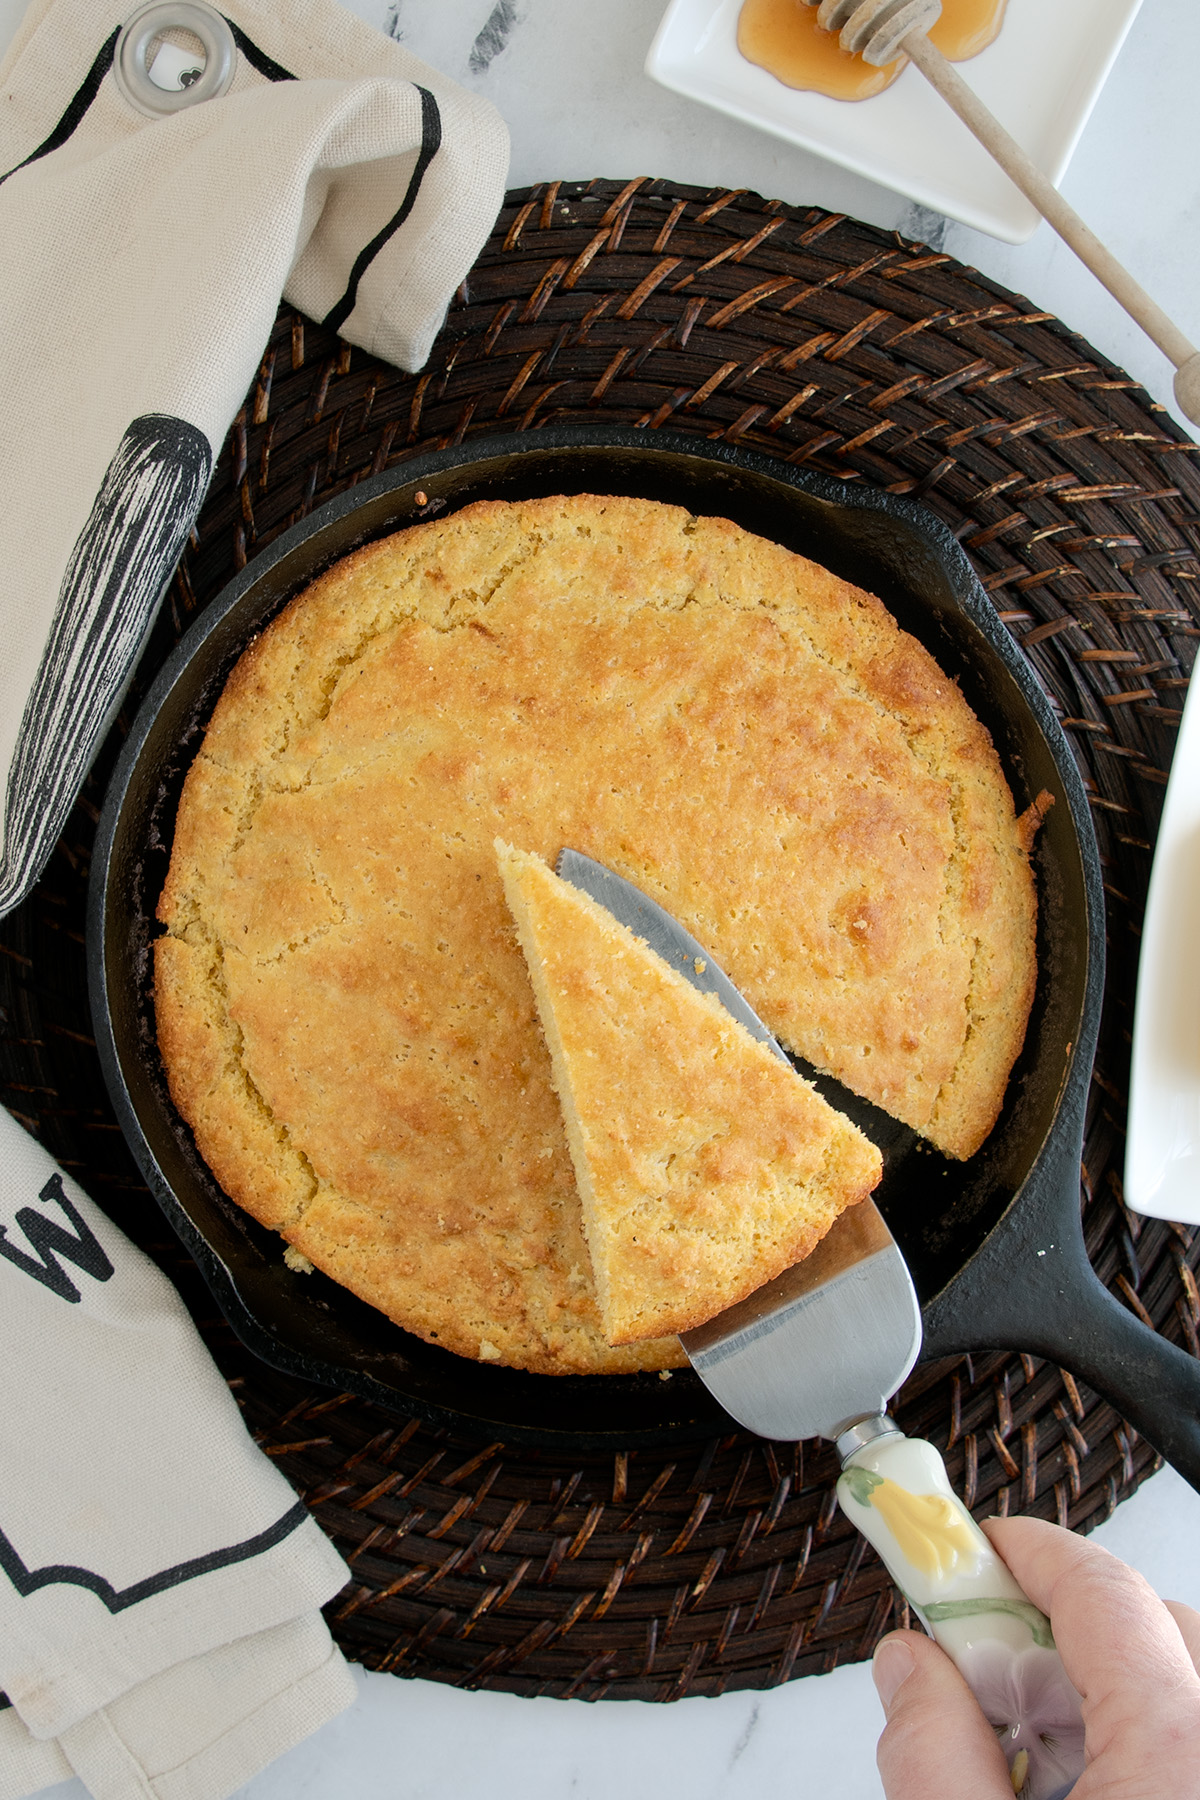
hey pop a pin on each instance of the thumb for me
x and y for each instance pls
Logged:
(936, 1745)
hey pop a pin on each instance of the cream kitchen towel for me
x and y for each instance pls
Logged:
(198, 1731)
(143, 262)
(159, 1579)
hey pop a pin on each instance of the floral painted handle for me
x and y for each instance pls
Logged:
(895, 1490)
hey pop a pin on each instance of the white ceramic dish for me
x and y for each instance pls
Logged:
(1162, 1151)
(1041, 78)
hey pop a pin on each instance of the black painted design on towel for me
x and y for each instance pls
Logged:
(89, 87)
(494, 36)
(48, 1239)
(431, 140)
(28, 1581)
(120, 566)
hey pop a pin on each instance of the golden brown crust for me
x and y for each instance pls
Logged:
(704, 1164)
(342, 1002)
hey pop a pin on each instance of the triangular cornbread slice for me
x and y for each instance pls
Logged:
(704, 1165)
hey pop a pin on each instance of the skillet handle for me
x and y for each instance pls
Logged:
(1061, 1310)
(1151, 1382)
(1031, 1287)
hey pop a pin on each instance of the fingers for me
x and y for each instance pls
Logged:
(1125, 1652)
(936, 1745)
(1188, 1622)
(1133, 1658)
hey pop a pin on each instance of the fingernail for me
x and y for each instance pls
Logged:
(892, 1665)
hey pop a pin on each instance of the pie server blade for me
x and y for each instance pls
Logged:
(817, 1353)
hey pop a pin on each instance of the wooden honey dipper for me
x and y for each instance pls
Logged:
(881, 30)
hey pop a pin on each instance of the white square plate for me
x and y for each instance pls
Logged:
(1162, 1151)
(1040, 77)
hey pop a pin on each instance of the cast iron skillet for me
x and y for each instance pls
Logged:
(994, 1244)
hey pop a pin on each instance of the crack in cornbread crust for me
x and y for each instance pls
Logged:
(705, 1165)
(343, 1007)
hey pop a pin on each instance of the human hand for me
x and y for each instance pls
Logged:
(1133, 1657)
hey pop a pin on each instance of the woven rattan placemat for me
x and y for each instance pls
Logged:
(838, 347)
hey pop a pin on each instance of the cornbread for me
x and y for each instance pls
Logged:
(705, 1165)
(343, 1008)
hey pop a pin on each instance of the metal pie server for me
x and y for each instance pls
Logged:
(818, 1352)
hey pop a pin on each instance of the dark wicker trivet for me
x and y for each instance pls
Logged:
(826, 343)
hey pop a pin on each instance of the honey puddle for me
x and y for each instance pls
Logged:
(783, 37)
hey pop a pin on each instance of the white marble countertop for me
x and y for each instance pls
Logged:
(567, 75)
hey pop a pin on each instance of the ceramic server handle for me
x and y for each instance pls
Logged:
(896, 1491)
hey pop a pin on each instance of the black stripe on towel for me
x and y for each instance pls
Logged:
(80, 102)
(28, 1581)
(431, 141)
(266, 65)
(90, 87)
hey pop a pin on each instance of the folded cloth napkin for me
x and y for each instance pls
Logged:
(144, 258)
(159, 1579)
